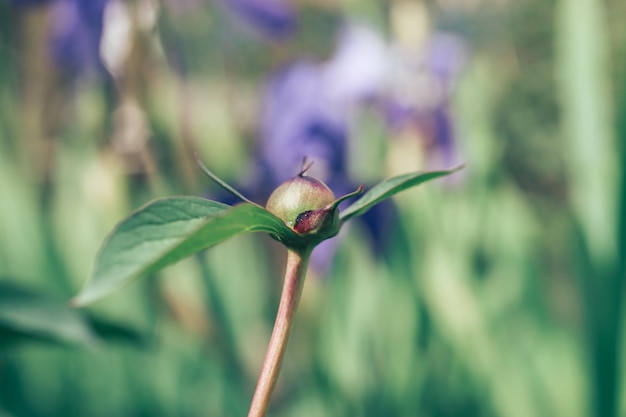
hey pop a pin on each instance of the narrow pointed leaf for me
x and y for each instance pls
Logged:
(388, 188)
(166, 231)
(221, 182)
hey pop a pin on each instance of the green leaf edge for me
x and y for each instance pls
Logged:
(389, 187)
(92, 291)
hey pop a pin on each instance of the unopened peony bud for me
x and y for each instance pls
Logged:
(300, 202)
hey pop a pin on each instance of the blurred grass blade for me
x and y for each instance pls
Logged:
(584, 71)
(166, 231)
(586, 100)
(111, 331)
(26, 315)
(389, 187)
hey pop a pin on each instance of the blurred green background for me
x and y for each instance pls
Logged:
(497, 293)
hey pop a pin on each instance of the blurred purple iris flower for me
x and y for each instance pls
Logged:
(75, 33)
(419, 96)
(306, 113)
(300, 120)
(307, 107)
(274, 19)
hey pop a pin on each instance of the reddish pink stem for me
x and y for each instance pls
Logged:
(297, 262)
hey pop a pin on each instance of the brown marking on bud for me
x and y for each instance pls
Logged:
(314, 221)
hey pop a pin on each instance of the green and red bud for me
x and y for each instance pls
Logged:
(307, 206)
(301, 202)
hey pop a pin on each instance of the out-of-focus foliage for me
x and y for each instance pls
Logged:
(495, 293)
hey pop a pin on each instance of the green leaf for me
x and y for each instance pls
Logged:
(388, 188)
(26, 315)
(166, 231)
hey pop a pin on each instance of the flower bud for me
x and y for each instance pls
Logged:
(302, 203)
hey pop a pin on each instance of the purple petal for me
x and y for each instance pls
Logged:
(76, 29)
(300, 120)
(447, 55)
(358, 66)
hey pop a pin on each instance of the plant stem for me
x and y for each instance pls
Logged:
(297, 262)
